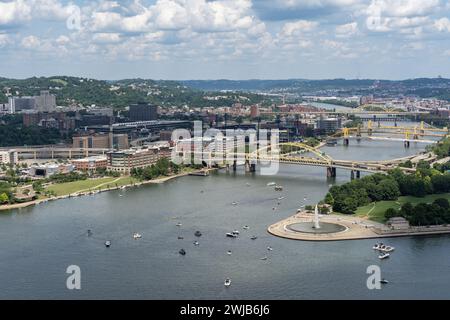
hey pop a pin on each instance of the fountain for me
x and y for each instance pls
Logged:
(316, 218)
(315, 226)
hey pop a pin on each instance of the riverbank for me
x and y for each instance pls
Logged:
(356, 228)
(93, 191)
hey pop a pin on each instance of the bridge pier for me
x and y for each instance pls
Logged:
(346, 141)
(235, 165)
(406, 144)
(331, 172)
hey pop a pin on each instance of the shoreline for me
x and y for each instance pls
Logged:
(357, 228)
(88, 193)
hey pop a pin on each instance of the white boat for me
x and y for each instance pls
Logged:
(137, 236)
(234, 203)
(107, 243)
(236, 232)
(269, 248)
(264, 258)
(271, 184)
(229, 252)
(387, 249)
(245, 227)
(384, 281)
(196, 243)
(384, 255)
(280, 198)
(179, 224)
(227, 282)
(278, 188)
(231, 235)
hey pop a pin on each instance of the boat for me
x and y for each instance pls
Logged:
(182, 252)
(271, 184)
(234, 203)
(229, 252)
(107, 243)
(254, 238)
(179, 224)
(180, 238)
(264, 258)
(269, 248)
(245, 227)
(198, 233)
(196, 243)
(248, 184)
(280, 198)
(384, 255)
(89, 232)
(231, 235)
(236, 232)
(387, 249)
(137, 236)
(227, 282)
(278, 188)
(377, 246)
(384, 281)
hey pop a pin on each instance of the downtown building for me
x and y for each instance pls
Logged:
(45, 102)
(143, 112)
(126, 160)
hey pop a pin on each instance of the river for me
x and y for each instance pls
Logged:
(37, 244)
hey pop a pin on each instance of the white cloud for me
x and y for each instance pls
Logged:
(4, 40)
(31, 42)
(442, 24)
(347, 30)
(14, 12)
(106, 37)
(297, 28)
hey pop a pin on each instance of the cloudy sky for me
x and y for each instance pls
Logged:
(233, 39)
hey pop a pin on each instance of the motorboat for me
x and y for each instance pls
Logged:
(236, 232)
(269, 248)
(182, 252)
(231, 235)
(384, 281)
(180, 238)
(384, 255)
(245, 227)
(137, 236)
(377, 246)
(387, 249)
(280, 198)
(234, 203)
(179, 224)
(198, 233)
(278, 188)
(196, 243)
(254, 238)
(229, 252)
(248, 184)
(271, 184)
(89, 233)
(264, 258)
(107, 243)
(227, 282)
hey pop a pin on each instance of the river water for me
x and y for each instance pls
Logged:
(37, 244)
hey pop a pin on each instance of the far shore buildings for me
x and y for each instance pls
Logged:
(91, 163)
(9, 157)
(100, 141)
(398, 223)
(143, 112)
(126, 160)
(45, 102)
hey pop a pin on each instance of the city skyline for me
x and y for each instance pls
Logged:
(244, 39)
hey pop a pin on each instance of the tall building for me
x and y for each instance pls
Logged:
(126, 160)
(329, 124)
(9, 157)
(143, 112)
(101, 141)
(45, 102)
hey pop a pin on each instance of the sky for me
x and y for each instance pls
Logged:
(225, 39)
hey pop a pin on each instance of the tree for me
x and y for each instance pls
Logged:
(391, 213)
(388, 189)
(329, 199)
(4, 198)
(442, 202)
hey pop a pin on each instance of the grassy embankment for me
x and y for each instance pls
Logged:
(375, 210)
(62, 189)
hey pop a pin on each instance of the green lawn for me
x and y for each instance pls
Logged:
(90, 184)
(375, 211)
